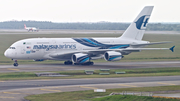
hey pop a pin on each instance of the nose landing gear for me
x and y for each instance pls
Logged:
(15, 63)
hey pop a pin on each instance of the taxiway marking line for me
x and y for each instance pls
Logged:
(45, 79)
(11, 93)
(54, 87)
(88, 87)
(51, 90)
(2, 81)
(127, 85)
(13, 69)
(166, 83)
(6, 97)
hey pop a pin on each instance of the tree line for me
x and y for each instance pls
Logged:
(86, 26)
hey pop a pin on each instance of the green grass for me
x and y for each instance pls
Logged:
(80, 74)
(89, 95)
(131, 98)
(154, 55)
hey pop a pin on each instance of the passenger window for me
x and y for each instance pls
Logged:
(12, 48)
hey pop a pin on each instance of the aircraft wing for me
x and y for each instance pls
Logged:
(125, 51)
(129, 49)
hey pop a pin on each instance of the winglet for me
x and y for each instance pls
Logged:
(172, 48)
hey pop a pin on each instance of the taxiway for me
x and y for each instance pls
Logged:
(17, 90)
(96, 66)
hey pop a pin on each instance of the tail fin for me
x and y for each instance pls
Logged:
(137, 27)
(24, 26)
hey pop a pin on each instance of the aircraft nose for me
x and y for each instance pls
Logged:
(6, 53)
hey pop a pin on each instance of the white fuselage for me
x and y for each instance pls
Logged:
(31, 28)
(42, 48)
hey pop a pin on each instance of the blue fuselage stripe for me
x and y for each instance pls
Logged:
(90, 41)
(93, 43)
(121, 46)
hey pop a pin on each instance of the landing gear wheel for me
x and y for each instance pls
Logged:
(68, 62)
(87, 63)
(15, 64)
(76, 63)
(91, 63)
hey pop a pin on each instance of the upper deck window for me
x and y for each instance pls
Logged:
(42, 42)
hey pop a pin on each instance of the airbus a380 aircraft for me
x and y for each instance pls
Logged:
(30, 28)
(82, 50)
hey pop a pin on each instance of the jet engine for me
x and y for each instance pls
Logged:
(80, 58)
(112, 56)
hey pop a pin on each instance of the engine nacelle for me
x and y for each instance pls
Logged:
(112, 56)
(80, 58)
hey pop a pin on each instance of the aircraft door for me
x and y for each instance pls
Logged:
(23, 50)
(54, 43)
(20, 50)
(112, 41)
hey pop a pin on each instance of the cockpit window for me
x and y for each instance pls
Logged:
(12, 48)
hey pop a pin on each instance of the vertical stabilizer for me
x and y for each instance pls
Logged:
(137, 27)
(24, 26)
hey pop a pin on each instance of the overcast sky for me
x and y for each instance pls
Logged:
(88, 10)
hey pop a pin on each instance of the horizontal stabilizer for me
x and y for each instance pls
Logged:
(145, 44)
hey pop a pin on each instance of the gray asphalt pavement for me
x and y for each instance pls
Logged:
(17, 90)
(9, 85)
(96, 66)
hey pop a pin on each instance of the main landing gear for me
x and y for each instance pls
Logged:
(15, 63)
(71, 63)
(87, 63)
(68, 62)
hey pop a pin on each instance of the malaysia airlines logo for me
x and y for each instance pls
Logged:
(48, 47)
(141, 23)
